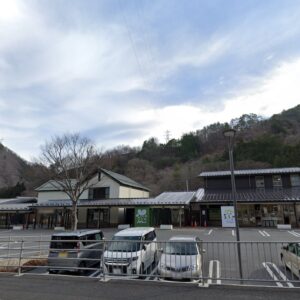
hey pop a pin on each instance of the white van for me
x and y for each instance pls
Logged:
(131, 252)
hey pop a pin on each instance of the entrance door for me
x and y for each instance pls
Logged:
(129, 216)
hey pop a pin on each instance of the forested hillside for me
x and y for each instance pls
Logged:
(17, 176)
(175, 164)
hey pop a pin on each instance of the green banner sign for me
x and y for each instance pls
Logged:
(142, 216)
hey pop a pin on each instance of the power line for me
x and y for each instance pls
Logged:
(131, 40)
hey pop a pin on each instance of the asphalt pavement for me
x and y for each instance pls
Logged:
(260, 253)
(28, 287)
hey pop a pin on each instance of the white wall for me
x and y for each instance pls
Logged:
(127, 192)
(105, 182)
(82, 215)
(114, 215)
(115, 190)
(56, 195)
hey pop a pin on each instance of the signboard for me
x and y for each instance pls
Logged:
(142, 216)
(228, 218)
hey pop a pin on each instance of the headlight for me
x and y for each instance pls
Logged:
(131, 259)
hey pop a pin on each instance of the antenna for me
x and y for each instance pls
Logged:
(167, 136)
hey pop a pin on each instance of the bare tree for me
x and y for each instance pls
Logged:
(71, 161)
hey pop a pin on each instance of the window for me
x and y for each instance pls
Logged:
(100, 193)
(181, 248)
(150, 236)
(295, 180)
(292, 248)
(98, 236)
(259, 181)
(277, 182)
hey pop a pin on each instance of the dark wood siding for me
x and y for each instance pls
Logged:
(268, 182)
(218, 183)
(286, 180)
(244, 182)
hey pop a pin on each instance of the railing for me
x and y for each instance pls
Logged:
(263, 263)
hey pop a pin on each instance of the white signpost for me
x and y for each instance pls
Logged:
(228, 218)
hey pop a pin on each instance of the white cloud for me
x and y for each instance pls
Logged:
(56, 78)
(277, 91)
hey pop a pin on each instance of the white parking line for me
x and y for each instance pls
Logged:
(296, 234)
(209, 233)
(273, 276)
(267, 266)
(211, 269)
(283, 276)
(264, 233)
(233, 232)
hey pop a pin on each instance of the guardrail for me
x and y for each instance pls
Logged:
(263, 263)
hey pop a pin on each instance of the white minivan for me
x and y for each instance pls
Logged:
(131, 252)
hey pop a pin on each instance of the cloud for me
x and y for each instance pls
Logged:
(121, 74)
(274, 92)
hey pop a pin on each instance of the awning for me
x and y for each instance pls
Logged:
(164, 199)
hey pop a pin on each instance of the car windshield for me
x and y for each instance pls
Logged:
(181, 248)
(63, 242)
(125, 244)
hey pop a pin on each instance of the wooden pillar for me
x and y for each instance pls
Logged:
(295, 211)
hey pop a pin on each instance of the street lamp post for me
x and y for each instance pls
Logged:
(230, 133)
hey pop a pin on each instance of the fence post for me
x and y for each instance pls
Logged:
(202, 262)
(40, 254)
(102, 259)
(20, 257)
(8, 247)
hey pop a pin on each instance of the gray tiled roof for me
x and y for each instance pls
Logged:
(124, 180)
(244, 196)
(251, 172)
(15, 207)
(53, 185)
(167, 198)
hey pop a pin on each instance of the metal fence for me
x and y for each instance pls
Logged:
(263, 263)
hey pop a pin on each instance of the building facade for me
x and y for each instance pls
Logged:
(53, 205)
(265, 197)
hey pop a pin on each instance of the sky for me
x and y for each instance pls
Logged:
(122, 71)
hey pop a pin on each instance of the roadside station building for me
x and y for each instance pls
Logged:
(111, 199)
(265, 197)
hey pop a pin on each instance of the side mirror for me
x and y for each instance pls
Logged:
(144, 247)
(284, 247)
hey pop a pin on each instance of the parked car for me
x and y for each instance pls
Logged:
(290, 257)
(181, 258)
(131, 251)
(70, 251)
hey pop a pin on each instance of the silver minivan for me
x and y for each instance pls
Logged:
(73, 251)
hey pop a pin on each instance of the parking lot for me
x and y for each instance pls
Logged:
(260, 253)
